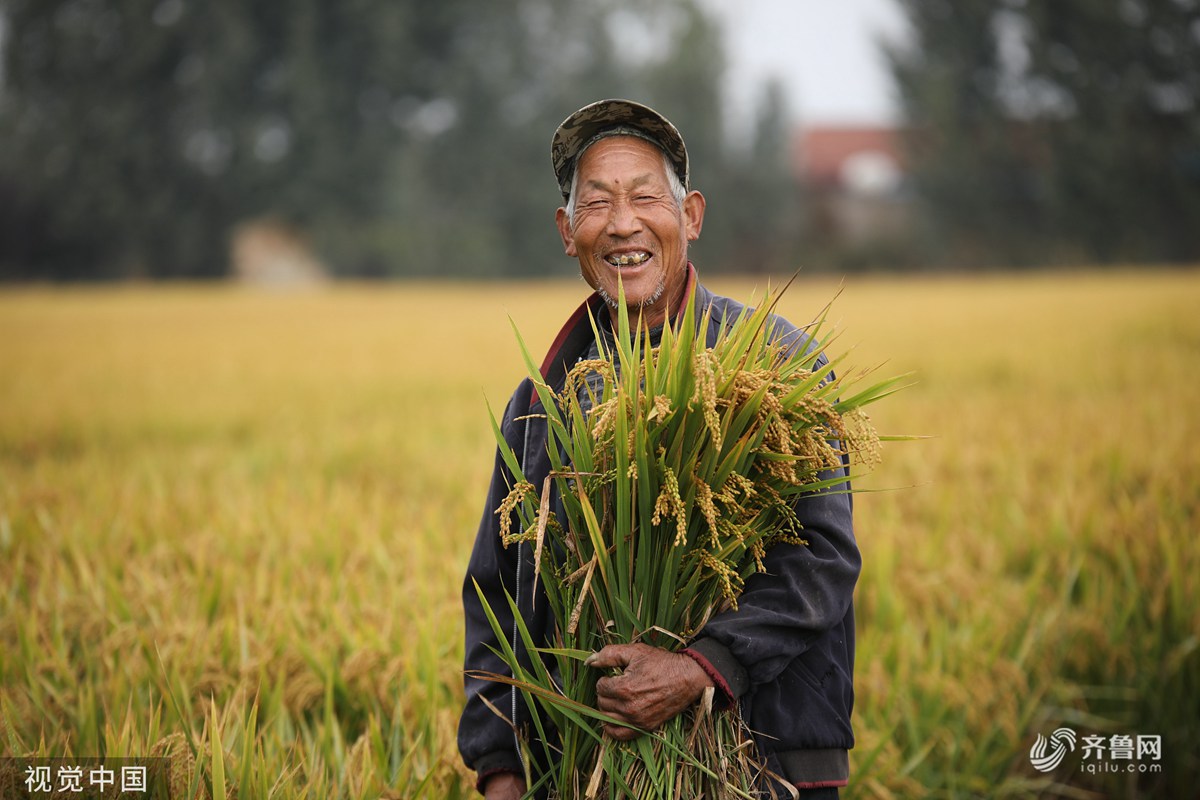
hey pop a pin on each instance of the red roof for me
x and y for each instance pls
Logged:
(820, 152)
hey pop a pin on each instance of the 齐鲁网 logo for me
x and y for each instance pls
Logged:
(1046, 754)
(1118, 752)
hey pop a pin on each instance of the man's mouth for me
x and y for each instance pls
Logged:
(628, 259)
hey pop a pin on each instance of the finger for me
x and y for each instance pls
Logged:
(611, 689)
(621, 734)
(616, 706)
(614, 709)
(613, 655)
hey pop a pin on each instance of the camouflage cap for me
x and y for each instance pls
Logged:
(613, 117)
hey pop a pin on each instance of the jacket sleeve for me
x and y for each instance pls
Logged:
(804, 592)
(486, 741)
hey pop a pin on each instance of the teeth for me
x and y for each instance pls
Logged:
(627, 259)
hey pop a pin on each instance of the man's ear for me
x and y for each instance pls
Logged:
(564, 230)
(693, 214)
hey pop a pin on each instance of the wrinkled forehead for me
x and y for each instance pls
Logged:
(654, 153)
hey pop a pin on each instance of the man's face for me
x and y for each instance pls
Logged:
(628, 229)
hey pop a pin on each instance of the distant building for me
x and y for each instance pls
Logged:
(267, 252)
(867, 159)
(855, 179)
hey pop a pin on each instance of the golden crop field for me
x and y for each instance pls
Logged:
(233, 526)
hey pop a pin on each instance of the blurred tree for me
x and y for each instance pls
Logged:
(136, 132)
(476, 196)
(770, 233)
(1058, 130)
(489, 176)
(401, 136)
(967, 165)
(1120, 84)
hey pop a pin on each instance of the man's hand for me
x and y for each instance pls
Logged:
(504, 786)
(655, 686)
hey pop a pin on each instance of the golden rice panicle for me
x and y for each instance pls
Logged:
(735, 511)
(705, 368)
(782, 469)
(822, 429)
(812, 409)
(779, 434)
(507, 506)
(861, 438)
(758, 552)
(817, 452)
(605, 419)
(735, 483)
(789, 528)
(837, 435)
(577, 377)
(731, 582)
(745, 383)
(669, 504)
(661, 408)
(704, 499)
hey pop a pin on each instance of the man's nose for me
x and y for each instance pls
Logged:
(623, 220)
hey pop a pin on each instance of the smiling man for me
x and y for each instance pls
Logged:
(625, 222)
(786, 656)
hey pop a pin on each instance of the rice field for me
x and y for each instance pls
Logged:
(233, 526)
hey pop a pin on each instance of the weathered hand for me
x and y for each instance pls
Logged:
(504, 786)
(654, 687)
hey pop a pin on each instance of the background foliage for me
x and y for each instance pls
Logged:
(409, 137)
(405, 137)
(1054, 131)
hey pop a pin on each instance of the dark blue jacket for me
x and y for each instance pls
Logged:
(786, 656)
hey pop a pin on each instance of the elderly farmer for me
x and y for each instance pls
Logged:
(786, 655)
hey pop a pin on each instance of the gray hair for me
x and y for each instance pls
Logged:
(673, 183)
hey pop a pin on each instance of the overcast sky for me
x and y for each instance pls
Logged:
(825, 51)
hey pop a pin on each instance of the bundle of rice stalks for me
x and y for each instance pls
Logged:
(670, 481)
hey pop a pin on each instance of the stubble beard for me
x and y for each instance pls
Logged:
(615, 304)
